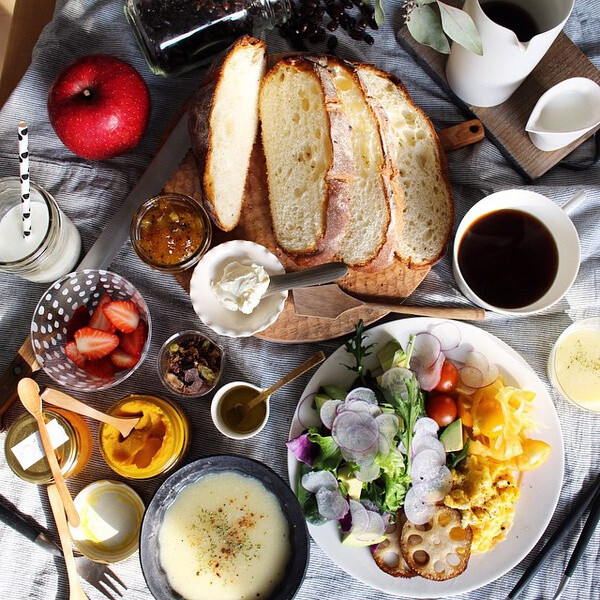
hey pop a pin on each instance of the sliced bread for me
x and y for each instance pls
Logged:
(307, 147)
(376, 197)
(421, 163)
(223, 122)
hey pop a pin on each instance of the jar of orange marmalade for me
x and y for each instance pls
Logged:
(71, 437)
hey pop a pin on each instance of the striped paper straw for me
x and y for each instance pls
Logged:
(24, 177)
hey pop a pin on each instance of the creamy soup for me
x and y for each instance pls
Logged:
(224, 537)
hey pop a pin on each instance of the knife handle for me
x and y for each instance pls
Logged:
(13, 518)
(437, 312)
(22, 365)
(463, 134)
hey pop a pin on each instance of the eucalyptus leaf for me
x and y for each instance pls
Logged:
(421, 2)
(425, 26)
(379, 12)
(460, 27)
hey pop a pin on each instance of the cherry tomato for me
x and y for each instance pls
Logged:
(448, 378)
(442, 409)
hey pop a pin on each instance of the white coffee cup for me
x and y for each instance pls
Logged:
(556, 221)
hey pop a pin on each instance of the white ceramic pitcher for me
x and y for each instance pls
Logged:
(490, 79)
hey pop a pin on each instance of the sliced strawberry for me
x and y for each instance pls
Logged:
(133, 343)
(73, 353)
(99, 320)
(79, 319)
(122, 359)
(102, 368)
(95, 343)
(123, 314)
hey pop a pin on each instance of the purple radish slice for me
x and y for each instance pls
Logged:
(388, 425)
(460, 354)
(315, 480)
(471, 377)
(448, 334)
(384, 445)
(417, 511)
(367, 525)
(395, 380)
(435, 489)
(331, 504)
(425, 426)
(426, 351)
(430, 377)
(366, 473)
(428, 442)
(361, 458)
(362, 393)
(425, 466)
(360, 406)
(360, 517)
(329, 412)
(356, 432)
(307, 414)
(488, 371)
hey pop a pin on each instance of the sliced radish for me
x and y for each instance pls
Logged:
(362, 393)
(435, 489)
(331, 504)
(384, 445)
(395, 380)
(329, 412)
(425, 465)
(307, 414)
(388, 425)
(367, 525)
(460, 354)
(358, 406)
(430, 377)
(366, 473)
(365, 457)
(428, 442)
(425, 426)
(360, 517)
(448, 334)
(472, 377)
(315, 480)
(426, 351)
(417, 511)
(356, 432)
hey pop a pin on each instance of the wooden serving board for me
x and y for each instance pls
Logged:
(505, 124)
(389, 285)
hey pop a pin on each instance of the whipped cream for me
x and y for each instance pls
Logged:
(241, 287)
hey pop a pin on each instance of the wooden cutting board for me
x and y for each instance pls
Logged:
(391, 285)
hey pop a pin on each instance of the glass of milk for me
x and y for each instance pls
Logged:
(54, 246)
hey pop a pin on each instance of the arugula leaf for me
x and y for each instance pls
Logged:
(329, 456)
(356, 346)
(453, 459)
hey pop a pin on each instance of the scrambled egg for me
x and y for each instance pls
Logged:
(485, 492)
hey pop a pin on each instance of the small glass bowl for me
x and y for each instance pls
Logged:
(170, 380)
(49, 325)
(143, 220)
(126, 457)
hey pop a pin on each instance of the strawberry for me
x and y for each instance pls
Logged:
(123, 314)
(123, 360)
(102, 368)
(79, 319)
(133, 343)
(99, 320)
(73, 353)
(95, 343)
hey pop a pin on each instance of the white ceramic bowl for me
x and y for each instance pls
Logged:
(556, 221)
(210, 310)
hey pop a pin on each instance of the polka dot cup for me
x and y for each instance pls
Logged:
(55, 309)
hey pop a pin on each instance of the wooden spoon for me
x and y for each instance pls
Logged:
(236, 414)
(124, 425)
(29, 393)
(329, 302)
(58, 510)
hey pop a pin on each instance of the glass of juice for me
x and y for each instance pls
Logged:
(54, 246)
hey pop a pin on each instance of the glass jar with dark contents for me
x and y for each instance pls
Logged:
(179, 35)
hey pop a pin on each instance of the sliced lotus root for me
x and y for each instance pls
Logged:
(440, 548)
(388, 555)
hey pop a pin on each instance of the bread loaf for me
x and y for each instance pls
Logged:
(307, 146)
(223, 123)
(376, 197)
(421, 162)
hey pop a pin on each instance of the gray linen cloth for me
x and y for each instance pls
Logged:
(90, 193)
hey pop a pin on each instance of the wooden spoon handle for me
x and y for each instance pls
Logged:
(62, 400)
(299, 370)
(59, 480)
(439, 312)
(460, 135)
(58, 510)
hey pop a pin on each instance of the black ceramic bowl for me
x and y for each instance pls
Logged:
(154, 575)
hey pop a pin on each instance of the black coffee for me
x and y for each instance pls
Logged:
(512, 17)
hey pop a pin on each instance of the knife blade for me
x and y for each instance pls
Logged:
(108, 244)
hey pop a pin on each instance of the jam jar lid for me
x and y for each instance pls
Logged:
(24, 431)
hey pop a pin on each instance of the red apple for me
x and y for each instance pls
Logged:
(99, 106)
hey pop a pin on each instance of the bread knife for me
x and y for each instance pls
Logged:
(108, 244)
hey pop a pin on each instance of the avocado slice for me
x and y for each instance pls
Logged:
(452, 437)
(349, 539)
(354, 485)
(390, 354)
(320, 399)
(335, 392)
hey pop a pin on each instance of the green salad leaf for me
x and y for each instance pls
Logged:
(329, 456)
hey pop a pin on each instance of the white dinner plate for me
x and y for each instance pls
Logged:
(540, 489)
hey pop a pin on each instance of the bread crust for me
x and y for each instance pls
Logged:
(199, 120)
(334, 208)
(411, 261)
